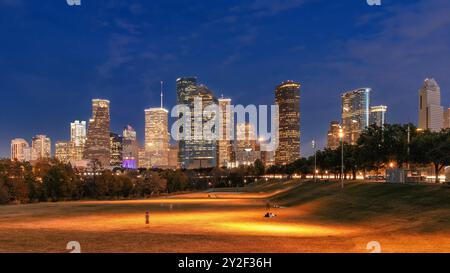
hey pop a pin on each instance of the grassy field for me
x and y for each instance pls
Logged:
(314, 217)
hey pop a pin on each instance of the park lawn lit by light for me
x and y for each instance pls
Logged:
(312, 218)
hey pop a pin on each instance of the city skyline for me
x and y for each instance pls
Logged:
(78, 129)
(245, 76)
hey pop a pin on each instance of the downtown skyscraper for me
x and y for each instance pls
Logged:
(226, 125)
(157, 137)
(287, 98)
(115, 150)
(355, 113)
(196, 152)
(333, 139)
(41, 148)
(130, 148)
(20, 150)
(64, 151)
(246, 144)
(98, 135)
(431, 112)
(78, 138)
(378, 115)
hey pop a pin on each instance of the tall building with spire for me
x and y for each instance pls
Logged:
(157, 135)
(98, 134)
(431, 112)
(355, 113)
(287, 98)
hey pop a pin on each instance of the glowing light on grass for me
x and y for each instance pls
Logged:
(284, 229)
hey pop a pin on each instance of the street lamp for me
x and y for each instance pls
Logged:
(315, 160)
(341, 136)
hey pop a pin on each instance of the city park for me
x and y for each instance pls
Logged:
(220, 210)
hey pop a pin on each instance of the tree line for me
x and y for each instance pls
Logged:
(54, 181)
(51, 180)
(376, 148)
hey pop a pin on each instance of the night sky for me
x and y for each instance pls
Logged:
(55, 58)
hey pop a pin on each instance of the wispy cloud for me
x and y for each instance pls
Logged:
(12, 3)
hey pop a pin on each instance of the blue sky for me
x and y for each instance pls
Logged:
(54, 58)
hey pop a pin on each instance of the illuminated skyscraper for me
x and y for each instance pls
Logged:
(19, 149)
(143, 159)
(197, 152)
(64, 151)
(226, 124)
(157, 136)
(130, 148)
(78, 138)
(287, 97)
(355, 113)
(334, 140)
(431, 113)
(186, 87)
(447, 118)
(98, 139)
(378, 115)
(116, 150)
(246, 144)
(173, 157)
(41, 148)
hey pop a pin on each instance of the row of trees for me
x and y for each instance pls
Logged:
(377, 148)
(54, 181)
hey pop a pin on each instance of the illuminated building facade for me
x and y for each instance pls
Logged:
(268, 158)
(98, 134)
(246, 145)
(431, 113)
(41, 148)
(173, 157)
(226, 124)
(116, 150)
(378, 115)
(355, 113)
(19, 150)
(186, 87)
(287, 98)
(447, 118)
(333, 139)
(130, 148)
(157, 137)
(143, 159)
(201, 152)
(78, 138)
(64, 151)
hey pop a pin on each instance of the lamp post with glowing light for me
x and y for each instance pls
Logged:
(315, 160)
(341, 136)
